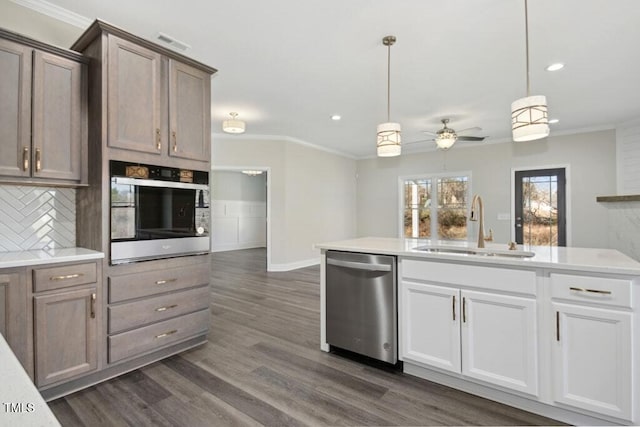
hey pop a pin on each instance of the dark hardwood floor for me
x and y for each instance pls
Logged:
(262, 366)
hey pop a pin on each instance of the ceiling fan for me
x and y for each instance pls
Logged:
(446, 137)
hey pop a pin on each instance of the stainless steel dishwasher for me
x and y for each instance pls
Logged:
(361, 306)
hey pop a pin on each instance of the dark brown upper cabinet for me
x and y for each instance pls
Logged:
(43, 125)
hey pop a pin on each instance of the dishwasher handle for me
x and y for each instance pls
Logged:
(359, 265)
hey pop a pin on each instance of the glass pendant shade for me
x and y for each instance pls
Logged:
(529, 118)
(389, 140)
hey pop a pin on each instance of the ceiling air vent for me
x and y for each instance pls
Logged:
(173, 42)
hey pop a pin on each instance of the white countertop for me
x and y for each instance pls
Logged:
(38, 257)
(20, 402)
(565, 258)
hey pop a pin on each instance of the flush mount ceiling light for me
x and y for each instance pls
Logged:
(252, 172)
(388, 139)
(234, 125)
(529, 117)
(336, 117)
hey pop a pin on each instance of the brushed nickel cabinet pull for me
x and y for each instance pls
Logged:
(66, 277)
(557, 326)
(175, 141)
(38, 160)
(166, 334)
(167, 307)
(464, 310)
(158, 139)
(25, 159)
(164, 282)
(93, 305)
(453, 308)
(592, 291)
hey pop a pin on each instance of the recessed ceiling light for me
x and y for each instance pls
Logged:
(553, 121)
(336, 117)
(555, 67)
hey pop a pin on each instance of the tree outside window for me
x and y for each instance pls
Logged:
(422, 216)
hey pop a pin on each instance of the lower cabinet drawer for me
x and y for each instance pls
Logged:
(49, 278)
(134, 314)
(157, 335)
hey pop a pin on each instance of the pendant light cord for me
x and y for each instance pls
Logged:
(389, 83)
(526, 32)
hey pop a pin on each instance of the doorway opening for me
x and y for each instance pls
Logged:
(241, 209)
(540, 208)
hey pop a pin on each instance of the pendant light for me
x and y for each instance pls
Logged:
(388, 139)
(529, 117)
(234, 125)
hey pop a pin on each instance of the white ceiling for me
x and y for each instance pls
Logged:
(287, 65)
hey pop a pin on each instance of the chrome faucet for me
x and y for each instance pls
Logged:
(477, 214)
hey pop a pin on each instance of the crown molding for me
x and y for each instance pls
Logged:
(55, 12)
(245, 137)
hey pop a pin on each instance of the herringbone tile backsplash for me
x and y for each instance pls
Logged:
(36, 218)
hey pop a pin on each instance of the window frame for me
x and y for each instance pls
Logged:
(433, 177)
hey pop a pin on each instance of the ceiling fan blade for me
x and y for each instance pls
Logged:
(471, 138)
(428, 132)
(473, 129)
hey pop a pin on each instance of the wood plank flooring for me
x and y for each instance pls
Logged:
(262, 366)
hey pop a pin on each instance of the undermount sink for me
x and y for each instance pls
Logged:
(476, 252)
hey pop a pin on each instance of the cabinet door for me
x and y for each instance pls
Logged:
(15, 109)
(14, 315)
(134, 98)
(592, 359)
(431, 325)
(189, 112)
(65, 334)
(499, 340)
(58, 103)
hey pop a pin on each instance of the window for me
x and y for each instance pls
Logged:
(435, 206)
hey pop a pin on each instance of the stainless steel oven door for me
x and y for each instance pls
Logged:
(153, 219)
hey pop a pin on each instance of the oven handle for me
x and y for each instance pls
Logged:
(158, 183)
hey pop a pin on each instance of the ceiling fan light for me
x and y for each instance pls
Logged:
(389, 140)
(529, 118)
(445, 141)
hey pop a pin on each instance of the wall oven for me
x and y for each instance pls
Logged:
(157, 212)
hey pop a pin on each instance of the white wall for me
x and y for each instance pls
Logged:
(591, 158)
(239, 211)
(312, 193)
(30, 23)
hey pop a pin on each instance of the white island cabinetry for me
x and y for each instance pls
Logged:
(555, 331)
(460, 319)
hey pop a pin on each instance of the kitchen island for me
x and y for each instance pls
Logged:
(549, 330)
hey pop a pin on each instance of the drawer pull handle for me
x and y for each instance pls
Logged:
(93, 305)
(164, 282)
(593, 291)
(167, 307)
(66, 277)
(166, 334)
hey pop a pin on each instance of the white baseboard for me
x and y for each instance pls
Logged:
(238, 246)
(294, 265)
